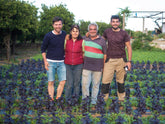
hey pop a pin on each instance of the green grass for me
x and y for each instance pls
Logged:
(148, 55)
(136, 56)
(37, 56)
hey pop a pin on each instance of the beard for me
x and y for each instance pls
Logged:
(58, 30)
(115, 28)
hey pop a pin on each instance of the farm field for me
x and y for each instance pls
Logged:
(24, 97)
(25, 24)
(137, 55)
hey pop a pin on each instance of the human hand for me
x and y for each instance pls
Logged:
(46, 65)
(87, 34)
(128, 64)
(67, 37)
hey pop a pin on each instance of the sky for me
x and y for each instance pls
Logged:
(101, 10)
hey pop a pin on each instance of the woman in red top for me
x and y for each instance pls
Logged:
(74, 62)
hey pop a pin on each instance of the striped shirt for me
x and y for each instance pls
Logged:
(94, 53)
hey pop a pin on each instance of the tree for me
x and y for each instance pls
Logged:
(26, 22)
(83, 26)
(102, 26)
(16, 17)
(124, 13)
(49, 13)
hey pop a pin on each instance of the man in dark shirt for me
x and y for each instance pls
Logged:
(116, 58)
(53, 55)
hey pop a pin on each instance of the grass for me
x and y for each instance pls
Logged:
(148, 55)
(33, 52)
(37, 56)
(136, 56)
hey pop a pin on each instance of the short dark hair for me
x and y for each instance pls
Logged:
(77, 27)
(56, 19)
(115, 17)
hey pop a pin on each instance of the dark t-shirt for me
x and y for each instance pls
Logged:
(116, 43)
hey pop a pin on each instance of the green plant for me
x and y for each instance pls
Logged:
(161, 35)
(148, 38)
(148, 102)
(77, 119)
(137, 44)
(147, 47)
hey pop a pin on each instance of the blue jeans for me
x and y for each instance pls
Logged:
(88, 77)
(61, 71)
(73, 80)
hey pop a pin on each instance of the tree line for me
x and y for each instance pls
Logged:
(21, 21)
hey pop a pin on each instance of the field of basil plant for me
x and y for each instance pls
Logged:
(24, 98)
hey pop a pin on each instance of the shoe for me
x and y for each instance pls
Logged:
(121, 101)
(52, 99)
(93, 107)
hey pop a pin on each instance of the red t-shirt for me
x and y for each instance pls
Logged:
(116, 43)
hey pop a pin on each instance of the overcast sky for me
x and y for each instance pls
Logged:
(101, 10)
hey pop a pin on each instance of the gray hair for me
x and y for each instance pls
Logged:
(94, 25)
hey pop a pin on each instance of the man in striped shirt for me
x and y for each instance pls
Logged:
(94, 57)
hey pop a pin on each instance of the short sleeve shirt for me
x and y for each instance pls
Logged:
(116, 43)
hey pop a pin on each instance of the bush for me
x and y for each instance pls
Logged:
(148, 38)
(161, 35)
(137, 44)
(146, 46)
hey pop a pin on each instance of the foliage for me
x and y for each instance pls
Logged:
(138, 35)
(152, 56)
(126, 11)
(138, 55)
(24, 97)
(137, 44)
(17, 18)
(102, 26)
(130, 32)
(83, 26)
(49, 13)
(161, 35)
(142, 42)
(17, 15)
(122, 11)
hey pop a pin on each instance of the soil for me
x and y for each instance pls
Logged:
(21, 52)
(159, 43)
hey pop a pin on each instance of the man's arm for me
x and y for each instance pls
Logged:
(105, 57)
(83, 47)
(45, 61)
(129, 50)
(104, 38)
(43, 51)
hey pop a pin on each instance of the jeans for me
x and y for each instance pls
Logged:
(73, 80)
(61, 71)
(88, 77)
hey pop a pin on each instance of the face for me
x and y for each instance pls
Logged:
(115, 23)
(57, 26)
(74, 33)
(93, 31)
